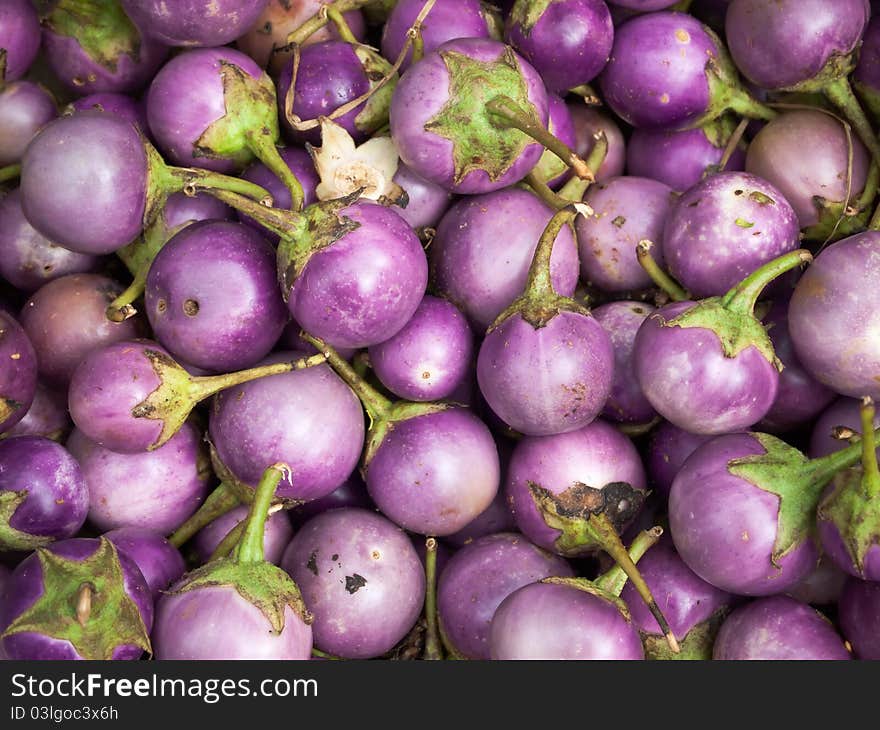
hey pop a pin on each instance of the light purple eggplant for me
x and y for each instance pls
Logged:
(484, 244)
(621, 320)
(742, 511)
(778, 628)
(429, 357)
(157, 490)
(681, 159)
(724, 228)
(568, 42)
(308, 419)
(859, 616)
(447, 20)
(27, 258)
(626, 210)
(668, 449)
(816, 185)
(18, 376)
(76, 599)
(65, 320)
(132, 110)
(597, 455)
(351, 493)
(194, 22)
(239, 607)
(546, 365)
(276, 534)
(360, 578)
(846, 359)
(212, 298)
(92, 46)
(46, 417)
(844, 412)
(427, 201)
(19, 36)
(587, 122)
(428, 130)
(669, 71)
(43, 493)
(821, 587)
(497, 517)
(800, 397)
(25, 107)
(478, 578)
(159, 561)
(709, 367)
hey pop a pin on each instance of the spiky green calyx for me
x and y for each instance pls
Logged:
(696, 644)
(374, 115)
(95, 624)
(582, 584)
(855, 513)
(526, 13)
(10, 538)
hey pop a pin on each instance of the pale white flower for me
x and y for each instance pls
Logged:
(345, 168)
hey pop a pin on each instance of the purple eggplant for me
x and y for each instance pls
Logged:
(833, 428)
(18, 376)
(866, 76)
(159, 561)
(668, 449)
(132, 110)
(19, 38)
(560, 123)
(588, 122)
(859, 615)
(25, 108)
(194, 22)
(497, 517)
(427, 201)
(821, 587)
(46, 417)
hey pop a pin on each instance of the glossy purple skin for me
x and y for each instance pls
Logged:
(778, 628)
(25, 586)
(194, 22)
(497, 517)
(821, 587)
(28, 259)
(181, 209)
(867, 71)
(427, 201)
(19, 36)
(216, 622)
(587, 121)
(484, 245)
(326, 557)
(66, 320)
(106, 386)
(47, 415)
(686, 376)
(308, 419)
(24, 108)
(724, 228)
(843, 412)
(330, 74)
(656, 77)
(626, 210)
(448, 20)
(840, 287)
(684, 598)
(859, 614)
(585, 626)
(778, 44)
(621, 320)
(547, 380)
(57, 495)
(429, 357)
(725, 527)
(97, 166)
(82, 74)
(479, 577)
(186, 97)
(834, 547)
(800, 397)
(159, 561)
(595, 455)
(212, 296)
(157, 490)
(276, 534)
(300, 164)
(678, 159)
(777, 154)
(367, 285)
(18, 376)
(424, 92)
(130, 109)
(569, 44)
(351, 493)
(668, 449)
(435, 473)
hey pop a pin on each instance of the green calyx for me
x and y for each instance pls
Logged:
(101, 28)
(587, 586)
(526, 13)
(374, 115)
(479, 142)
(732, 316)
(262, 584)
(838, 66)
(10, 538)
(696, 644)
(84, 602)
